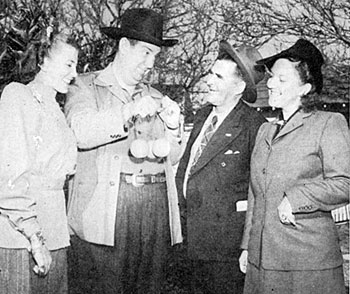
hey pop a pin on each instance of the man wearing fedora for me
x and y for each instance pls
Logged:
(123, 206)
(213, 174)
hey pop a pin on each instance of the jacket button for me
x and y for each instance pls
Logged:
(111, 183)
(116, 157)
(223, 164)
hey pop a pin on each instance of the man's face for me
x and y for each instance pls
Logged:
(139, 59)
(222, 82)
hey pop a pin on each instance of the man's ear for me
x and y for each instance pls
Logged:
(306, 88)
(124, 45)
(241, 86)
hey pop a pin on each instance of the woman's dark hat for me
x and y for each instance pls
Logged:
(246, 57)
(140, 24)
(305, 51)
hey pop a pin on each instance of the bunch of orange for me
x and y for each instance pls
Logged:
(140, 148)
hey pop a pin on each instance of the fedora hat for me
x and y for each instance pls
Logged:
(305, 51)
(141, 24)
(246, 57)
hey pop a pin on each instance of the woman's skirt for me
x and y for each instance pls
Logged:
(262, 281)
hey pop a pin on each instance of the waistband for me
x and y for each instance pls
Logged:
(142, 179)
(316, 214)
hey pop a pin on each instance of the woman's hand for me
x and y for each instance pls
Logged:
(41, 255)
(243, 261)
(285, 212)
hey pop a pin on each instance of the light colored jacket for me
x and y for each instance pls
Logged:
(309, 162)
(93, 110)
(37, 151)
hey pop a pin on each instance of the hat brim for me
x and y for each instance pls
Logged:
(116, 33)
(251, 90)
(269, 61)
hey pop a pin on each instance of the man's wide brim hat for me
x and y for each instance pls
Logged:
(245, 57)
(140, 24)
(305, 51)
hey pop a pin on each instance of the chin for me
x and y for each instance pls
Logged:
(62, 90)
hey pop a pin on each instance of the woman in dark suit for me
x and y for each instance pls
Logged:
(299, 172)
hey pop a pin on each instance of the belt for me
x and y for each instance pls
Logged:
(139, 180)
(316, 214)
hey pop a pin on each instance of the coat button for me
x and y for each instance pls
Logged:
(223, 164)
(116, 157)
(111, 183)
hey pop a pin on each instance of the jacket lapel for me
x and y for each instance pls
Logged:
(228, 131)
(293, 124)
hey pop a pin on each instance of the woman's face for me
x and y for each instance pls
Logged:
(285, 86)
(60, 67)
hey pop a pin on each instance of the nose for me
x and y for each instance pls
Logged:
(74, 72)
(271, 82)
(149, 62)
(209, 79)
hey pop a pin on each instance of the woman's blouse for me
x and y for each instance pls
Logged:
(37, 152)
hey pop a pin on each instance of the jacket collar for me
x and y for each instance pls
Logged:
(294, 123)
(224, 135)
(107, 78)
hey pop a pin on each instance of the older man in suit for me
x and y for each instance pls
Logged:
(213, 175)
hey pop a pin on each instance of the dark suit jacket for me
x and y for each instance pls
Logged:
(219, 180)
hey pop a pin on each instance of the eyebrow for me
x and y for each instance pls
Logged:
(214, 73)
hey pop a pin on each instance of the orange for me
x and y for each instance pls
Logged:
(139, 148)
(161, 147)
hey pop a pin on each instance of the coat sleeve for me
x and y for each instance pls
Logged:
(19, 120)
(248, 219)
(332, 190)
(92, 127)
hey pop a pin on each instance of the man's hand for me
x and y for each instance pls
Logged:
(41, 255)
(170, 113)
(145, 106)
(285, 212)
(243, 261)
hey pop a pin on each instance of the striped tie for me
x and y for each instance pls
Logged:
(209, 132)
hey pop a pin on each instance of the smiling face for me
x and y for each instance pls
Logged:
(224, 84)
(59, 66)
(137, 59)
(285, 86)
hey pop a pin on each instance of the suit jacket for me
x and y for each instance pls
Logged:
(218, 182)
(309, 162)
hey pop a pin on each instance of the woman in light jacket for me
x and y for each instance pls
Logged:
(37, 152)
(299, 172)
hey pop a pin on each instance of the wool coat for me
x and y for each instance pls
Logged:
(309, 162)
(218, 184)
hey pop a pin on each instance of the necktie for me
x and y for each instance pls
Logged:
(208, 133)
